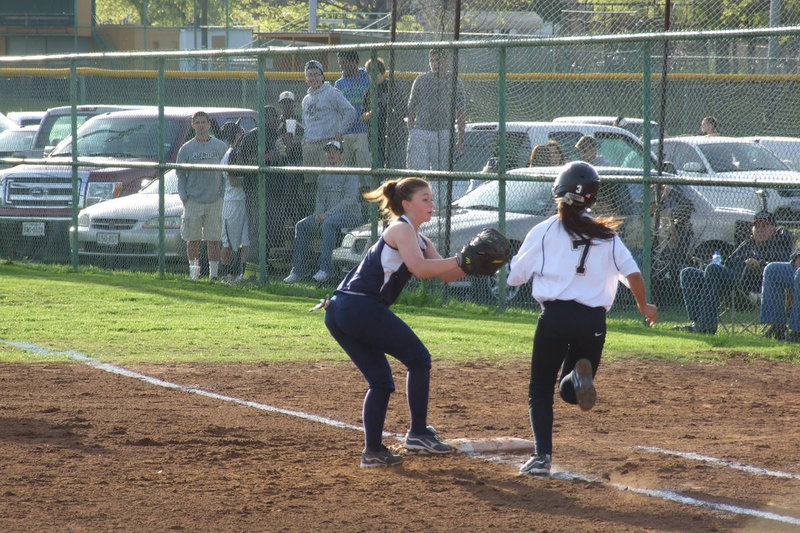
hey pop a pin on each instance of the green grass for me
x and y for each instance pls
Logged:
(127, 317)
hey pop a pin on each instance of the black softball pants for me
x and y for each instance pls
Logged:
(566, 331)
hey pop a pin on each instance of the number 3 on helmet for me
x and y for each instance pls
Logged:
(577, 185)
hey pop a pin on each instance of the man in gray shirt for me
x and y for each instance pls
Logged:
(201, 192)
(430, 118)
(326, 116)
(338, 206)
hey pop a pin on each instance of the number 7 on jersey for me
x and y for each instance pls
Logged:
(586, 243)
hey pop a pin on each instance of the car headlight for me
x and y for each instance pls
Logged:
(98, 191)
(84, 220)
(169, 223)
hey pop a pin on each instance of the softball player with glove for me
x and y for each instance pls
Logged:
(359, 318)
(574, 263)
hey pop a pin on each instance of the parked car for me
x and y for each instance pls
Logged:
(740, 159)
(6, 123)
(617, 145)
(528, 203)
(56, 125)
(36, 200)
(16, 140)
(633, 125)
(127, 227)
(27, 118)
(787, 149)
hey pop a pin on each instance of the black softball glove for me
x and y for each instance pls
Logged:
(485, 253)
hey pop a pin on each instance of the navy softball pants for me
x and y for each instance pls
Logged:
(566, 331)
(368, 330)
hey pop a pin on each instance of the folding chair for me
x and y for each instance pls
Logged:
(740, 312)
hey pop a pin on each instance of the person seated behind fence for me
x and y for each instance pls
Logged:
(708, 126)
(587, 147)
(780, 280)
(338, 205)
(547, 155)
(703, 289)
(235, 239)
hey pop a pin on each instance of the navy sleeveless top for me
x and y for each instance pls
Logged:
(381, 275)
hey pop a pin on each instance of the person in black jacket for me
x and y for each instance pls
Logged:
(245, 152)
(702, 289)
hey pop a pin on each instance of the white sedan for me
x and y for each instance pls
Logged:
(127, 227)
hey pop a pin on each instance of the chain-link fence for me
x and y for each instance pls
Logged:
(517, 109)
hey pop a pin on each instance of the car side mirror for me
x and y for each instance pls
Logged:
(669, 167)
(693, 166)
(48, 150)
(789, 163)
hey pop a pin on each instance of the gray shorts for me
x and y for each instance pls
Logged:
(234, 225)
(202, 221)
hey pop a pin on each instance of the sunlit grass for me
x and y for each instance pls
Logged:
(137, 317)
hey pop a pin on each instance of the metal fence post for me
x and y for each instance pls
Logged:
(262, 185)
(73, 101)
(647, 246)
(374, 131)
(161, 183)
(502, 163)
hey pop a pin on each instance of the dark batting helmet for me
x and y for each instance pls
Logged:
(577, 184)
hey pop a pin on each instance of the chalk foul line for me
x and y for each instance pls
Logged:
(655, 493)
(720, 462)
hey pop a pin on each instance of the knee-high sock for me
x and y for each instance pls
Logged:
(417, 389)
(376, 402)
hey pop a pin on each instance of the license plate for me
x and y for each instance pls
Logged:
(108, 239)
(33, 229)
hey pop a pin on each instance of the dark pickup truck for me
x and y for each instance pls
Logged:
(36, 200)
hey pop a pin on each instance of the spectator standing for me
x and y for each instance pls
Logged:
(201, 192)
(234, 212)
(290, 145)
(708, 126)
(391, 118)
(702, 289)
(430, 119)
(246, 152)
(587, 148)
(781, 279)
(337, 206)
(354, 85)
(327, 115)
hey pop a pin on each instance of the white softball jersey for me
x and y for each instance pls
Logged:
(562, 267)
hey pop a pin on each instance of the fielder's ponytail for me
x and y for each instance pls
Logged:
(391, 193)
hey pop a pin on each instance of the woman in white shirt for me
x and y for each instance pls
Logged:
(574, 263)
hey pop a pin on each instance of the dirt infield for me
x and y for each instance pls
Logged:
(86, 450)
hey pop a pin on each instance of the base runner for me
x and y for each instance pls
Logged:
(574, 262)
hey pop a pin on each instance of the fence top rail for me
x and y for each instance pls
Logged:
(653, 179)
(498, 42)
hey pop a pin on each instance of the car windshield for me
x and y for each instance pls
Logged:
(480, 145)
(170, 184)
(130, 137)
(56, 128)
(525, 197)
(740, 157)
(13, 140)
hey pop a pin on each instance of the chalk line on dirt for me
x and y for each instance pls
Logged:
(656, 493)
(720, 462)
